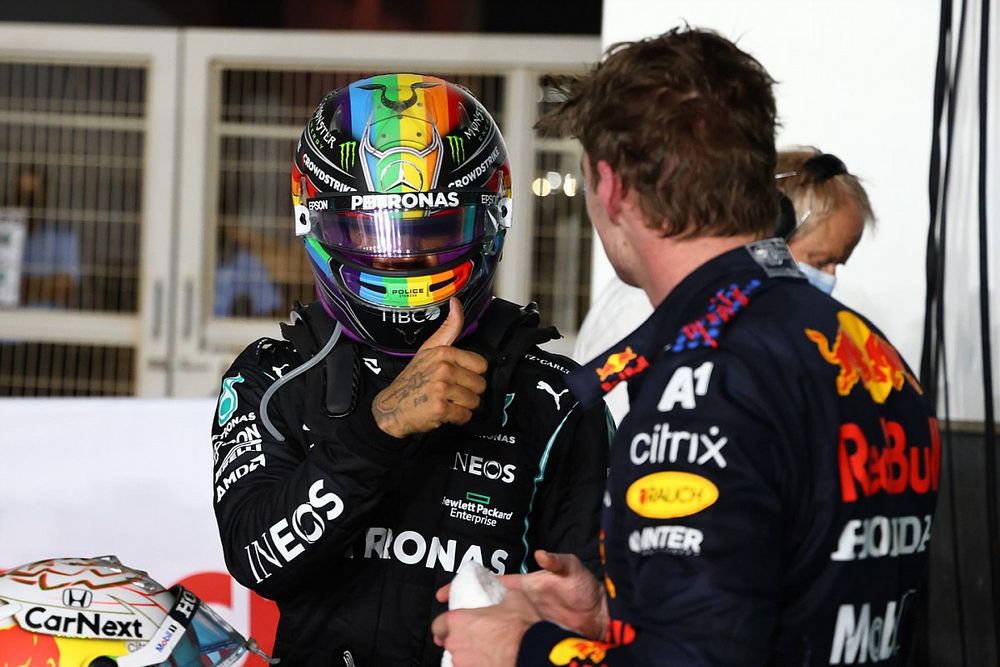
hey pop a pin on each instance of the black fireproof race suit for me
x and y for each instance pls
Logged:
(772, 489)
(352, 531)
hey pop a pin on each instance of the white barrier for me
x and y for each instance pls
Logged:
(129, 477)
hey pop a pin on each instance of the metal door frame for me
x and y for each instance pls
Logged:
(148, 329)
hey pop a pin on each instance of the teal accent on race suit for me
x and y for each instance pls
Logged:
(228, 399)
(506, 403)
(542, 462)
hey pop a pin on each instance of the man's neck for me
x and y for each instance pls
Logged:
(667, 261)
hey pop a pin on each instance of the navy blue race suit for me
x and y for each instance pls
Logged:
(350, 530)
(771, 491)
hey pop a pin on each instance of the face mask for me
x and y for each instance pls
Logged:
(821, 280)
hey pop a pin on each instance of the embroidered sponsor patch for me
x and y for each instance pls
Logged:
(722, 308)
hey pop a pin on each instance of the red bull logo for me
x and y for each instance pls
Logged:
(19, 648)
(619, 367)
(892, 468)
(577, 652)
(22, 648)
(616, 363)
(620, 633)
(863, 356)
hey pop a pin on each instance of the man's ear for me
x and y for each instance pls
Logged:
(610, 191)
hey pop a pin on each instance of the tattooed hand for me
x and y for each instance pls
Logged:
(441, 385)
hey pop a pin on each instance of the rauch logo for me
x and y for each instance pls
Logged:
(671, 494)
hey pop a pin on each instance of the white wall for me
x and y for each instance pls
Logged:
(128, 477)
(856, 78)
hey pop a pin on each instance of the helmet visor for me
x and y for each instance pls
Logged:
(404, 225)
(192, 635)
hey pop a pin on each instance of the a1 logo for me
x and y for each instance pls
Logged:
(684, 385)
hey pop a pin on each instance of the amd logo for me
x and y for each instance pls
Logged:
(477, 465)
(235, 475)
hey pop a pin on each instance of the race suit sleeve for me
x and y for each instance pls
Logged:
(288, 510)
(695, 528)
(566, 514)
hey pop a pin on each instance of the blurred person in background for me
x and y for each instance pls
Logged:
(822, 217)
(771, 492)
(408, 422)
(244, 287)
(830, 210)
(51, 266)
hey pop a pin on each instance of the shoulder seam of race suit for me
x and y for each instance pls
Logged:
(318, 357)
(542, 463)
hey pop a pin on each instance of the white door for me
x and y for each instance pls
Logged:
(87, 152)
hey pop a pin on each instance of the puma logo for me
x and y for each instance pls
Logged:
(547, 388)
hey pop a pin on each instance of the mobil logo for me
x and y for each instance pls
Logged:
(862, 635)
(863, 356)
(891, 466)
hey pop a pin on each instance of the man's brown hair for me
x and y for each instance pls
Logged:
(687, 120)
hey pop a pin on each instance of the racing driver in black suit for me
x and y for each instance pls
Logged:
(408, 422)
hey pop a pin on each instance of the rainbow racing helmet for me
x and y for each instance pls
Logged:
(96, 612)
(401, 191)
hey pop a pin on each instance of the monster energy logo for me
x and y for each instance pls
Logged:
(457, 146)
(348, 152)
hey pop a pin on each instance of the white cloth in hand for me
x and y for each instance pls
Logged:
(474, 586)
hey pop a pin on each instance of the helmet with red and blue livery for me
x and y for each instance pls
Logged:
(402, 192)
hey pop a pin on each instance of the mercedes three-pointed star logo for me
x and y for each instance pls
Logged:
(401, 173)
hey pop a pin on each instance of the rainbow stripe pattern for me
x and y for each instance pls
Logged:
(413, 291)
(406, 111)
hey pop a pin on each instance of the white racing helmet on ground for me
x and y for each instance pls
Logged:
(96, 612)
